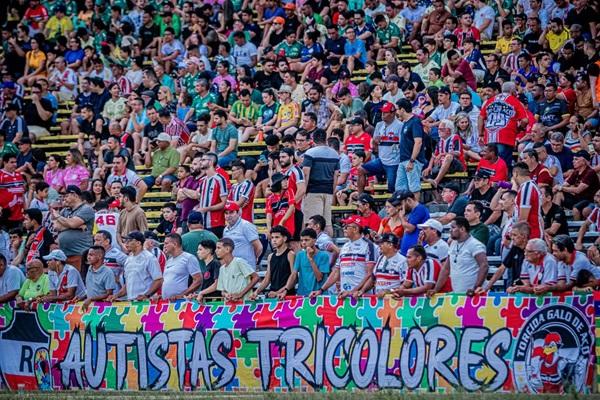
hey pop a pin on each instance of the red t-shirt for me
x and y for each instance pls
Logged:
(12, 190)
(501, 115)
(278, 205)
(36, 15)
(462, 34)
(372, 221)
(465, 69)
(541, 176)
(360, 142)
(498, 169)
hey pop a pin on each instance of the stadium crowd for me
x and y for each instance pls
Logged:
(432, 167)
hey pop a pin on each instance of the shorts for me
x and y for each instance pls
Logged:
(410, 181)
(455, 167)
(376, 167)
(318, 204)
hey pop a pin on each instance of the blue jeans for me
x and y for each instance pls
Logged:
(376, 167)
(505, 152)
(150, 180)
(227, 159)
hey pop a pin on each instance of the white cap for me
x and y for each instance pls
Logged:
(432, 223)
(163, 137)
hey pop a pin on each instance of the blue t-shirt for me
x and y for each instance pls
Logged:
(358, 46)
(307, 52)
(410, 130)
(73, 56)
(417, 216)
(306, 278)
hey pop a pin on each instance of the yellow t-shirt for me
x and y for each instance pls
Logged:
(36, 59)
(58, 27)
(503, 45)
(557, 41)
(287, 113)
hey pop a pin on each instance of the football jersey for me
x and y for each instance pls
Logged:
(244, 190)
(354, 261)
(529, 196)
(501, 115)
(390, 272)
(429, 272)
(545, 273)
(12, 191)
(211, 189)
(295, 176)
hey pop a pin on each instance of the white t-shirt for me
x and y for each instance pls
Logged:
(569, 272)
(546, 273)
(140, 271)
(441, 113)
(107, 221)
(463, 266)
(481, 15)
(390, 272)
(177, 271)
(68, 278)
(438, 250)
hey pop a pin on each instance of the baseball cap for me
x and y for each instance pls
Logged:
(583, 154)
(278, 177)
(389, 238)
(73, 189)
(8, 85)
(149, 235)
(452, 186)
(354, 219)
(344, 75)
(278, 20)
(231, 206)
(432, 223)
(25, 140)
(444, 89)
(366, 198)
(289, 6)
(194, 217)
(163, 137)
(56, 255)
(403, 195)
(135, 235)
(482, 173)
(357, 121)
(148, 93)
(388, 108)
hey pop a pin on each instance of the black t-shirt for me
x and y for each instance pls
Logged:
(583, 18)
(32, 116)
(415, 79)
(514, 261)
(335, 46)
(531, 41)
(268, 81)
(280, 270)
(151, 131)
(109, 157)
(276, 38)
(210, 275)
(500, 73)
(551, 113)
(332, 76)
(486, 200)
(556, 214)
(147, 34)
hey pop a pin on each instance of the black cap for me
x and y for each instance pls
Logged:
(357, 121)
(135, 235)
(149, 235)
(25, 140)
(278, 177)
(583, 154)
(389, 238)
(12, 107)
(452, 186)
(444, 89)
(194, 217)
(483, 173)
(73, 189)
(148, 93)
(366, 198)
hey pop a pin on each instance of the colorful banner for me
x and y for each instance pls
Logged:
(494, 343)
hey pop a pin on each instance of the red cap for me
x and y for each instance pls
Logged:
(289, 6)
(388, 107)
(231, 206)
(278, 20)
(354, 219)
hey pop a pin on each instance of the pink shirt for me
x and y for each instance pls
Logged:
(55, 179)
(220, 78)
(75, 175)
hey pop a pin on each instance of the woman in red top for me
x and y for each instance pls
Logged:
(280, 206)
(392, 223)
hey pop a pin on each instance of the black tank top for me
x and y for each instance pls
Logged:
(280, 270)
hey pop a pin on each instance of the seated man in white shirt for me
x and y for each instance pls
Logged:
(11, 280)
(539, 273)
(66, 283)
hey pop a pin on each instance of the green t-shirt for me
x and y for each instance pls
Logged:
(480, 232)
(175, 24)
(188, 81)
(239, 110)
(290, 50)
(356, 106)
(200, 104)
(163, 159)
(223, 135)
(385, 35)
(233, 278)
(8, 148)
(168, 82)
(31, 289)
(192, 239)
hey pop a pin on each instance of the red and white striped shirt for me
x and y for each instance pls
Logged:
(177, 129)
(295, 176)
(211, 189)
(451, 144)
(428, 273)
(529, 196)
(244, 190)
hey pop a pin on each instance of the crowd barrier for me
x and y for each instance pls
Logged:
(450, 342)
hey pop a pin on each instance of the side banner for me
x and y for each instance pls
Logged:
(495, 343)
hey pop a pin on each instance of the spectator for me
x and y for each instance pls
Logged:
(594, 218)
(65, 280)
(132, 217)
(127, 177)
(539, 273)
(11, 280)
(455, 201)
(555, 220)
(206, 255)
(213, 192)
(311, 267)
(538, 172)
(448, 156)
(279, 265)
(13, 126)
(570, 262)
(12, 190)
(236, 277)
(478, 229)
(180, 267)
(164, 161)
(243, 234)
(35, 286)
(365, 207)
(390, 269)
(321, 167)
(224, 139)
(114, 258)
(579, 188)
(39, 238)
(142, 274)
(529, 201)
(196, 234)
(74, 226)
(99, 282)
(430, 237)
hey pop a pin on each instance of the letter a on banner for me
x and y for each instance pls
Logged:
(28, 367)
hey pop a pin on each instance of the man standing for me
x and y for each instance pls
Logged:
(243, 234)
(196, 234)
(114, 258)
(74, 224)
(132, 217)
(236, 277)
(279, 265)
(11, 279)
(501, 118)
(142, 273)
(99, 282)
(213, 195)
(12, 191)
(412, 154)
(178, 270)
(529, 201)
(412, 214)
(467, 264)
(386, 140)
(321, 167)
(39, 239)
(242, 192)
(356, 261)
